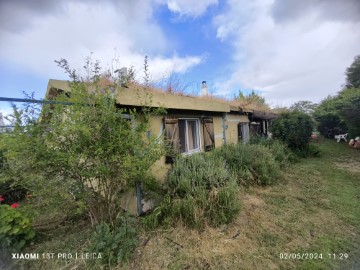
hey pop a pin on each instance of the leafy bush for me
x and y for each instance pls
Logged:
(116, 244)
(11, 192)
(310, 150)
(252, 164)
(15, 229)
(282, 154)
(200, 190)
(93, 145)
(294, 129)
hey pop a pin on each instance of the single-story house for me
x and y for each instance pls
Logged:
(191, 124)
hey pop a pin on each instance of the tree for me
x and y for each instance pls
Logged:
(353, 74)
(328, 118)
(348, 107)
(304, 106)
(250, 98)
(342, 111)
(90, 152)
(293, 128)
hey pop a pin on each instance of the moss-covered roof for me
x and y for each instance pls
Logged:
(138, 95)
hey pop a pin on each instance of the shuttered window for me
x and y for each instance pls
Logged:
(183, 135)
(209, 138)
(172, 137)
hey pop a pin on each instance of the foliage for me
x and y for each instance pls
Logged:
(89, 152)
(310, 150)
(12, 193)
(294, 129)
(341, 111)
(200, 190)
(250, 98)
(15, 229)
(252, 164)
(304, 106)
(353, 74)
(117, 243)
(348, 106)
(282, 154)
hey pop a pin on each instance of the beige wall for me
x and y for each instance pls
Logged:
(232, 121)
(160, 169)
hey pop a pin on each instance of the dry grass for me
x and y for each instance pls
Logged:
(314, 209)
(301, 214)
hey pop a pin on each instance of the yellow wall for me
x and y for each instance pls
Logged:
(232, 121)
(160, 169)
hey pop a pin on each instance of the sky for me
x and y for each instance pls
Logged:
(286, 50)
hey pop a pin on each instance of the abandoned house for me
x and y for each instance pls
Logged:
(191, 124)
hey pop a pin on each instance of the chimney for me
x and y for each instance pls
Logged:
(204, 89)
(122, 73)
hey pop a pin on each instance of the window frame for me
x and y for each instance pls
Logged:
(198, 136)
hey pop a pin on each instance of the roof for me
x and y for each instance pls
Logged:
(138, 95)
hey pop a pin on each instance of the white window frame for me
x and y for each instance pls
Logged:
(198, 149)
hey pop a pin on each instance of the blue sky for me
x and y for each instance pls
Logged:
(286, 50)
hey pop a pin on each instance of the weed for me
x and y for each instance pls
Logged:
(115, 244)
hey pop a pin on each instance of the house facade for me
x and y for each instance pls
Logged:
(190, 125)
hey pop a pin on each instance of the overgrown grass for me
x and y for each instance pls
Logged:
(313, 208)
(201, 190)
(252, 164)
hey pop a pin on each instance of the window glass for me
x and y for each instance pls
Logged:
(182, 132)
(192, 135)
(188, 135)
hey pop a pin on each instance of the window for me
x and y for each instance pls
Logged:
(189, 135)
(243, 132)
(183, 135)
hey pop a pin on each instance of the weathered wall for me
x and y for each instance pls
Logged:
(232, 121)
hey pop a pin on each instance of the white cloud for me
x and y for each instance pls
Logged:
(73, 29)
(188, 7)
(5, 111)
(302, 59)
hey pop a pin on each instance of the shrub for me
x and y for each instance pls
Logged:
(294, 129)
(200, 190)
(11, 192)
(92, 145)
(252, 164)
(282, 154)
(15, 229)
(116, 244)
(310, 150)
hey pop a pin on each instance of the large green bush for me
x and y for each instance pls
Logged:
(293, 128)
(251, 164)
(95, 148)
(15, 229)
(201, 190)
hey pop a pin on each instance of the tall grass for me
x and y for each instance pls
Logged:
(201, 191)
(202, 188)
(251, 164)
